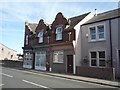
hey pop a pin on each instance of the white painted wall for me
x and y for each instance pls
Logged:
(78, 39)
(6, 52)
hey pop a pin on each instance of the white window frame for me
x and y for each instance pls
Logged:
(26, 40)
(98, 59)
(57, 33)
(40, 40)
(55, 52)
(100, 33)
(97, 34)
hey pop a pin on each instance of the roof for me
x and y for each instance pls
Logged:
(2, 45)
(104, 16)
(75, 20)
(32, 26)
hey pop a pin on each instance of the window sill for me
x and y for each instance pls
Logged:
(98, 66)
(101, 40)
(57, 62)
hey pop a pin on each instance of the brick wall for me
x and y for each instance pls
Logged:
(103, 73)
(11, 63)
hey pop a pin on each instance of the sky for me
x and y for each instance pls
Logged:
(14, 14)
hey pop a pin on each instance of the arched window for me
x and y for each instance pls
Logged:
(59, 33)
(40, 35)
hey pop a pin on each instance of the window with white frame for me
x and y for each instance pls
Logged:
(102, 58)
(93, 33)
(101, 34)
(26, 40)
(58, 57)
(59, 33)
(97, 58)
(40, 35)
(97, 33)
(93, 59)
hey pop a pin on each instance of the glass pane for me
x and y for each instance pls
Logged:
(100, 29)
(93, 37)
(59, 36)
(58, 56)
(93, 55)
(40, 39)
(101, 62)
(93, 62)
(101, 35)
(59, 30)
(102, 54)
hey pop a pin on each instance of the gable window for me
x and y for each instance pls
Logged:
(93, 33)
(58, 57)
(100, 32)
(40, 35)
(26, 40)
(97, 33)
(59, 33)
(97, 59)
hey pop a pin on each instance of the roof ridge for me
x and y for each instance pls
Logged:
(79, 15)
(108, 11)
(8, 47)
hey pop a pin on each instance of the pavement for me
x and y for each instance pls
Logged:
(79, 78)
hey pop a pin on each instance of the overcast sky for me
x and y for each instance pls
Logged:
(14, 14)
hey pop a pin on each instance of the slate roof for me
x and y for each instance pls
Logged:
(75, 20)
(104, 16)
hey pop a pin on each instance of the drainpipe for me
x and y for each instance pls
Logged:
(111, 44)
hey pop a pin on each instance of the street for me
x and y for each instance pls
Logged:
(13, 78)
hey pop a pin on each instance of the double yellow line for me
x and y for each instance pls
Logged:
(1, 84)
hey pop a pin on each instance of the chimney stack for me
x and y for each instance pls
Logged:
(95, 12)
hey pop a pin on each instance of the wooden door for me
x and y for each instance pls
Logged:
(69, 63)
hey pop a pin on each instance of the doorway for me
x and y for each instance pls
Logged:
(69, 63)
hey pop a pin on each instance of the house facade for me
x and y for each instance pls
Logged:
(51, 47)
(100, 41)
(90, 42)
(7, 53)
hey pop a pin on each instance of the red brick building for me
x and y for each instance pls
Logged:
(51, 46)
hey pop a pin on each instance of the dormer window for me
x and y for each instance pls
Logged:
(59, 33)
(40, 35)
(26, 40)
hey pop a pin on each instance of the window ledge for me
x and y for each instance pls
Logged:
(97, 40)
(57, 62)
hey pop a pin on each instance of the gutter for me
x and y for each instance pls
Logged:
(111, 43)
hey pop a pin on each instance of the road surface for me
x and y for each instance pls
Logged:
(13, 78)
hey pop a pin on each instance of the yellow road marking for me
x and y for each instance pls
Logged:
(1, 85)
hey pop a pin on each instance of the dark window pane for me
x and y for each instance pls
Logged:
(102, 63)
(93, 62)
(93, 55)
(102, 54)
